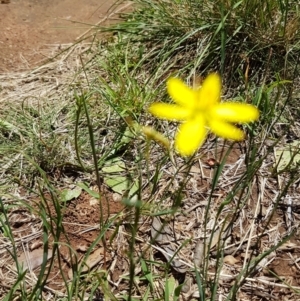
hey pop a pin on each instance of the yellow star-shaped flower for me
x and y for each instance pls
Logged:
(199, 110)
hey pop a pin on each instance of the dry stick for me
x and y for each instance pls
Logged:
(104, 19)
(260, 196)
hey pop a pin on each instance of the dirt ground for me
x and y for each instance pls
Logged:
(30, 28)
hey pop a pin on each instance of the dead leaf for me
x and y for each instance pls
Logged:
(215, 238)
(187, 285)
(199, 249)
(93, 259)
(229, 259)
(164, 238)
(87, 264)
(36, 245)
(82, 248)
(288, 246)
(199, 253)
(245, 255)
(162, 234)
(32, 260)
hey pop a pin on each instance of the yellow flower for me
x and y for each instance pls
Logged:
(199, 110)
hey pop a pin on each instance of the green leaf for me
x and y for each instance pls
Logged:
(116, 178)
(127, 136)
(118, 184)
(289, 155)
(69, 194)
(169, 288)
(113, 177)
(88, 190)
(148, 275)
(114, 165)
(177, 292)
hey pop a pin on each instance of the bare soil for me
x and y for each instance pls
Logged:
(30, 28)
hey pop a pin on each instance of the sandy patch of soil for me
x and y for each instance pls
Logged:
(30, 28)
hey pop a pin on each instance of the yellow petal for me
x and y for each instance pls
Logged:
(226, 130)
(169, 111)
(190, 136)
(235, 112)
(181, 93)
(209, 93)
